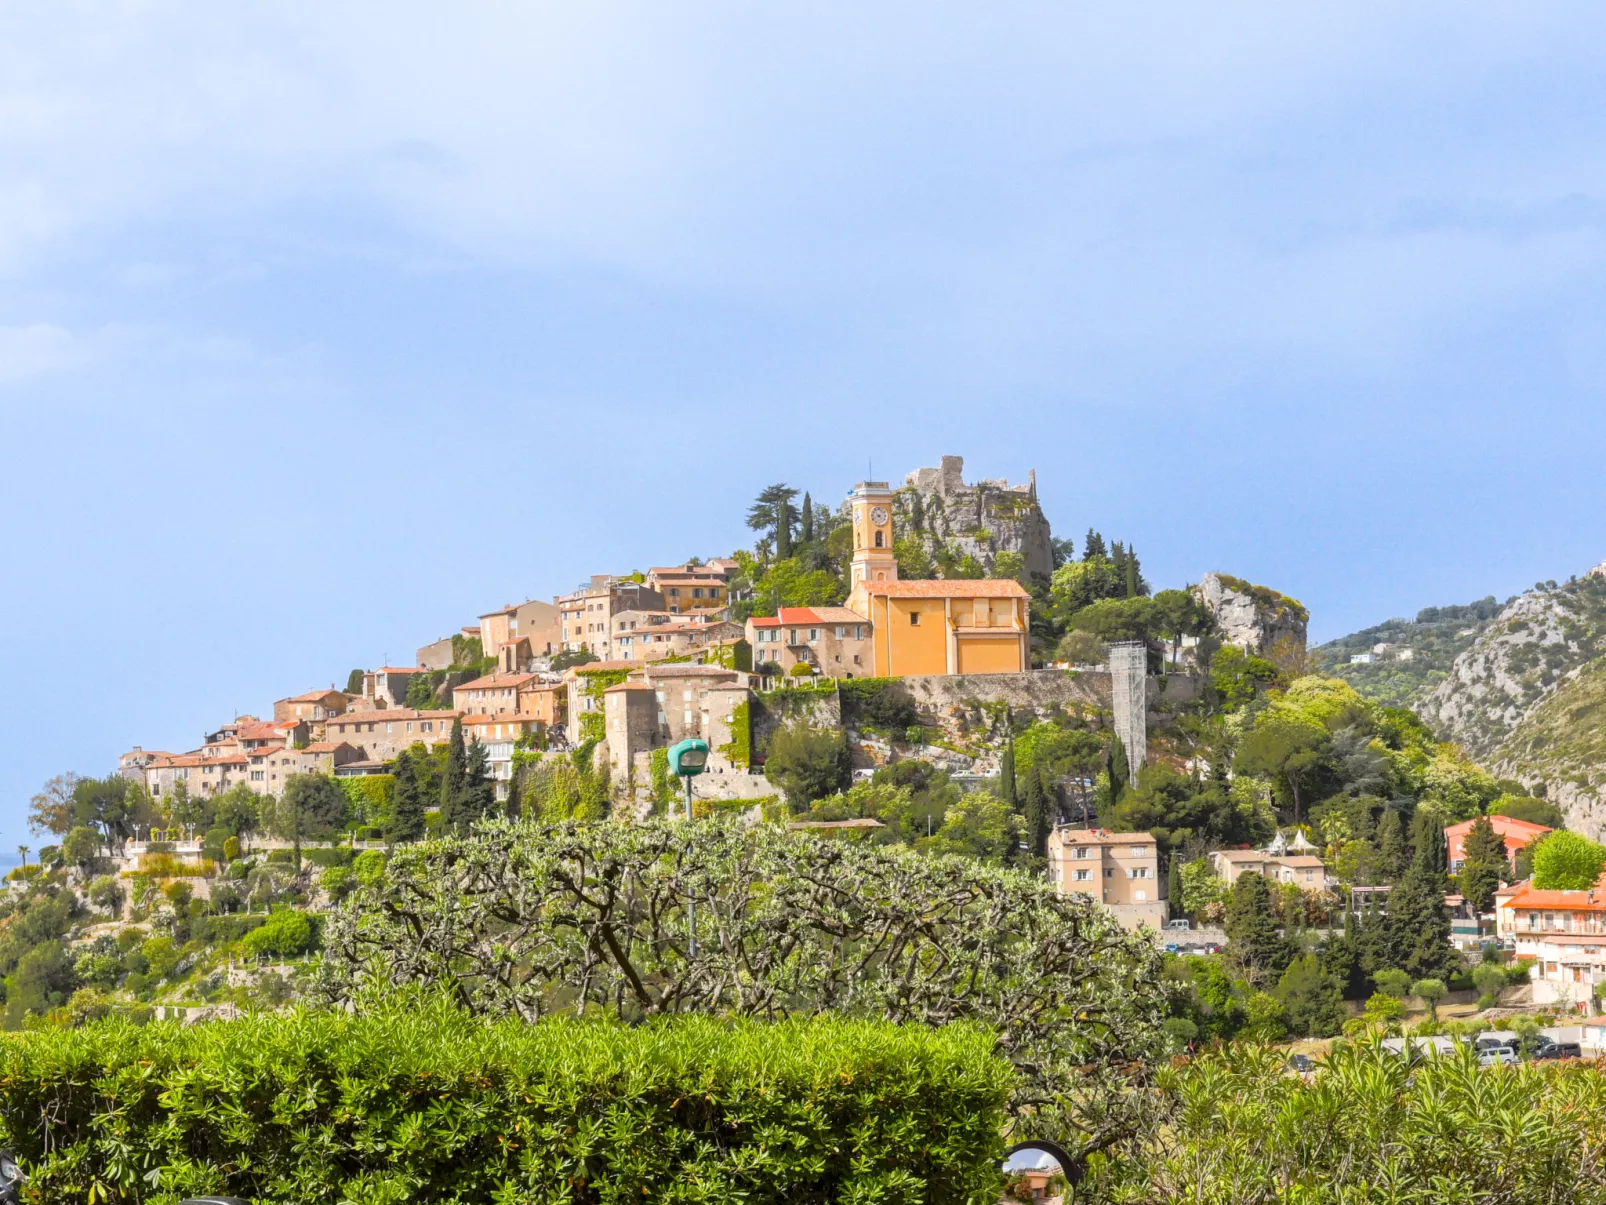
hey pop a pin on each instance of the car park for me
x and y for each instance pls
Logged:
(1497, 1056)
(1545, 1048)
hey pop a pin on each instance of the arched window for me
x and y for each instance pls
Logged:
(878, 539)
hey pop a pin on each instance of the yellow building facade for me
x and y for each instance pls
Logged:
(930, 627)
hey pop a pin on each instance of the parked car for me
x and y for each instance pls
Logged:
(1497, 1056)
(1183, 923)
(1545, 1048)
(1301, 1063)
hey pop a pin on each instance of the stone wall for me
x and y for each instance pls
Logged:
(980, 519)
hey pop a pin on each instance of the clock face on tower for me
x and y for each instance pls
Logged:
(878, 515)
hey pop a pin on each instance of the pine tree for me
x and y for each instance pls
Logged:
(1313, 998)
(808, 518)
(1093, 547)
(1006, 774)
(452, 777)
(1390, 846)
(1118, 563)
(406, 820)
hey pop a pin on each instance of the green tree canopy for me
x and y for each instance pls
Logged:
(808, 763)
(1566, 861)
(1312, 999)
(1526, 807)
(1255, 940)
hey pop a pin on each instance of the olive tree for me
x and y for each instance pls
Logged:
(640, 921)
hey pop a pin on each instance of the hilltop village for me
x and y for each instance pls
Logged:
(629, 664)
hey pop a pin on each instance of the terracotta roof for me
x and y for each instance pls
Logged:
(794, 617)
(954, 588)
(684, 671)
(1298, 860)
(1533, 898)
(1515, 834)
(1103, 836)
(189, 760)
(494, 680)
(312, 696)
(627, 686)
(1565, 939)
(324, 746)
(403, 669)
(389, 715)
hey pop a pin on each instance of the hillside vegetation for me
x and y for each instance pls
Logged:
(1435, 638)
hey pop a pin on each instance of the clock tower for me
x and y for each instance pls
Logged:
(871, 504)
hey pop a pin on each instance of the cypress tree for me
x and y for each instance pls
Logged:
(1390, 846)
(452, 778)
(1006, 774)
(1484, 866)
(1254, 939)
(1418, 921)
(808, 518)
(1173, 885)
(1120, 771)
(477, 799)
(406, 821)
(515, 793)
(1133, 580)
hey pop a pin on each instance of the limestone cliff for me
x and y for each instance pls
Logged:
(1255, 618)
(951, 520)
(1529, 697)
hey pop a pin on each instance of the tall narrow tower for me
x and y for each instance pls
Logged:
(871, 503)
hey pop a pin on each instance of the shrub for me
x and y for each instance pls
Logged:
(422, 1103)
(338, 881)
(369, 867)
(1565, 861)
(522, 919)
(225, 930)
(1370, 1126)
(331, 855)
(286, 932)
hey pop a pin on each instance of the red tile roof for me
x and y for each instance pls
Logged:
(953, 588)
(491, 681)
(1517, 834)
(405, 669)
(388, 715)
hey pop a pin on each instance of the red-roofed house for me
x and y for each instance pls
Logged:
(1564, 932)
(1517, 834)
(315, 706)
(835, 641)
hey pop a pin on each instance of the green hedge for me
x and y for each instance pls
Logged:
(221, 930)
(329, 855)
(421, 1103)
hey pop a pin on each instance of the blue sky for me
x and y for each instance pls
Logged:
(322, 332)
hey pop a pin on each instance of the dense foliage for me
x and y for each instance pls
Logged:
(1369, 1126)
(525, 920)
(418, 1101)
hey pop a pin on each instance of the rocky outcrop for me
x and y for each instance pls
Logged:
(1255, 618)
(1528, 698)
(954, 520)
(1503, 677)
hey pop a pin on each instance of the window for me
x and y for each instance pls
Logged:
(686, 718)
(685, 696)
(389, 727)
(814, 634)
(1140, 896)
(1140, 872)
(427, 726)
(696, 592)
(914, 619)
(1137, 851)
(1081, 875)
(1109, 872)
(1080, 852)
(879, 540)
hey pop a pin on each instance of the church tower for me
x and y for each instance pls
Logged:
(871, 504)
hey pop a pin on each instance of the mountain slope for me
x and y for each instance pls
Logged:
(1433, 640)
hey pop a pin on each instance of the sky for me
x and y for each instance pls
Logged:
(326, 328)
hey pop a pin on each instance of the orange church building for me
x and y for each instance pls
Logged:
(959, 626)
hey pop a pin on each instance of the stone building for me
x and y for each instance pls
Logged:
(1119, 870)
(315, 706)
(383, 734)
(693, 587)
(835, 641)
(535, 621)
(586, 615)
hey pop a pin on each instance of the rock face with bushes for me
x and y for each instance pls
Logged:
(1257, 619)
(954, 520)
